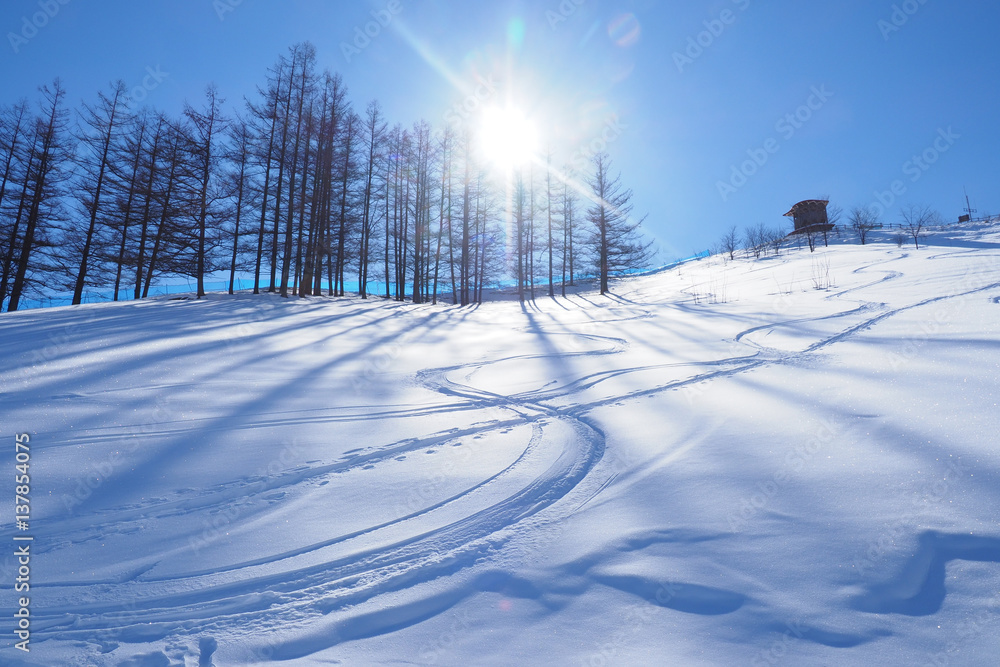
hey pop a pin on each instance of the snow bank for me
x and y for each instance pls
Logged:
(787, 461)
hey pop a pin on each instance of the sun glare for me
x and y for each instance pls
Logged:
(506, 137)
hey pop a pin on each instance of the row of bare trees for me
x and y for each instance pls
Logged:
(295, 188)
(914, 219)
(112, 198)
(757, 240)
(557, 238)
(35, 153)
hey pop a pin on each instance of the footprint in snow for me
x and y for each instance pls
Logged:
(207, 646)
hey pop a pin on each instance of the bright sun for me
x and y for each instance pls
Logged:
(507, 138)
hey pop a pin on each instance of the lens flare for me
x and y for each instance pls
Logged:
(625, 30)
(515, 33)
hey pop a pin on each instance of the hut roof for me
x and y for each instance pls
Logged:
(808, 203)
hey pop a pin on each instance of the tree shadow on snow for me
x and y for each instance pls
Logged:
(919, 589)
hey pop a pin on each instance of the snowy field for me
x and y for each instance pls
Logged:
(790, 461)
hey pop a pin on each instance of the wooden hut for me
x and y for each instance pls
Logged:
(810, 216)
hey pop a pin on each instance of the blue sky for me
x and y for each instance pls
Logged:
(683, 93)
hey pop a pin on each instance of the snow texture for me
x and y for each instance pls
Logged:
(785, 461)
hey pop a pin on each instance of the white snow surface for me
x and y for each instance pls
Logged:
(787, 461)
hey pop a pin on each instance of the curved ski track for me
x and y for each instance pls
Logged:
(300, 585)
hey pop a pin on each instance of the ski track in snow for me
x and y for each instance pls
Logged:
(315, 580)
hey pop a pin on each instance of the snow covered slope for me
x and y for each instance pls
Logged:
(785, 461)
